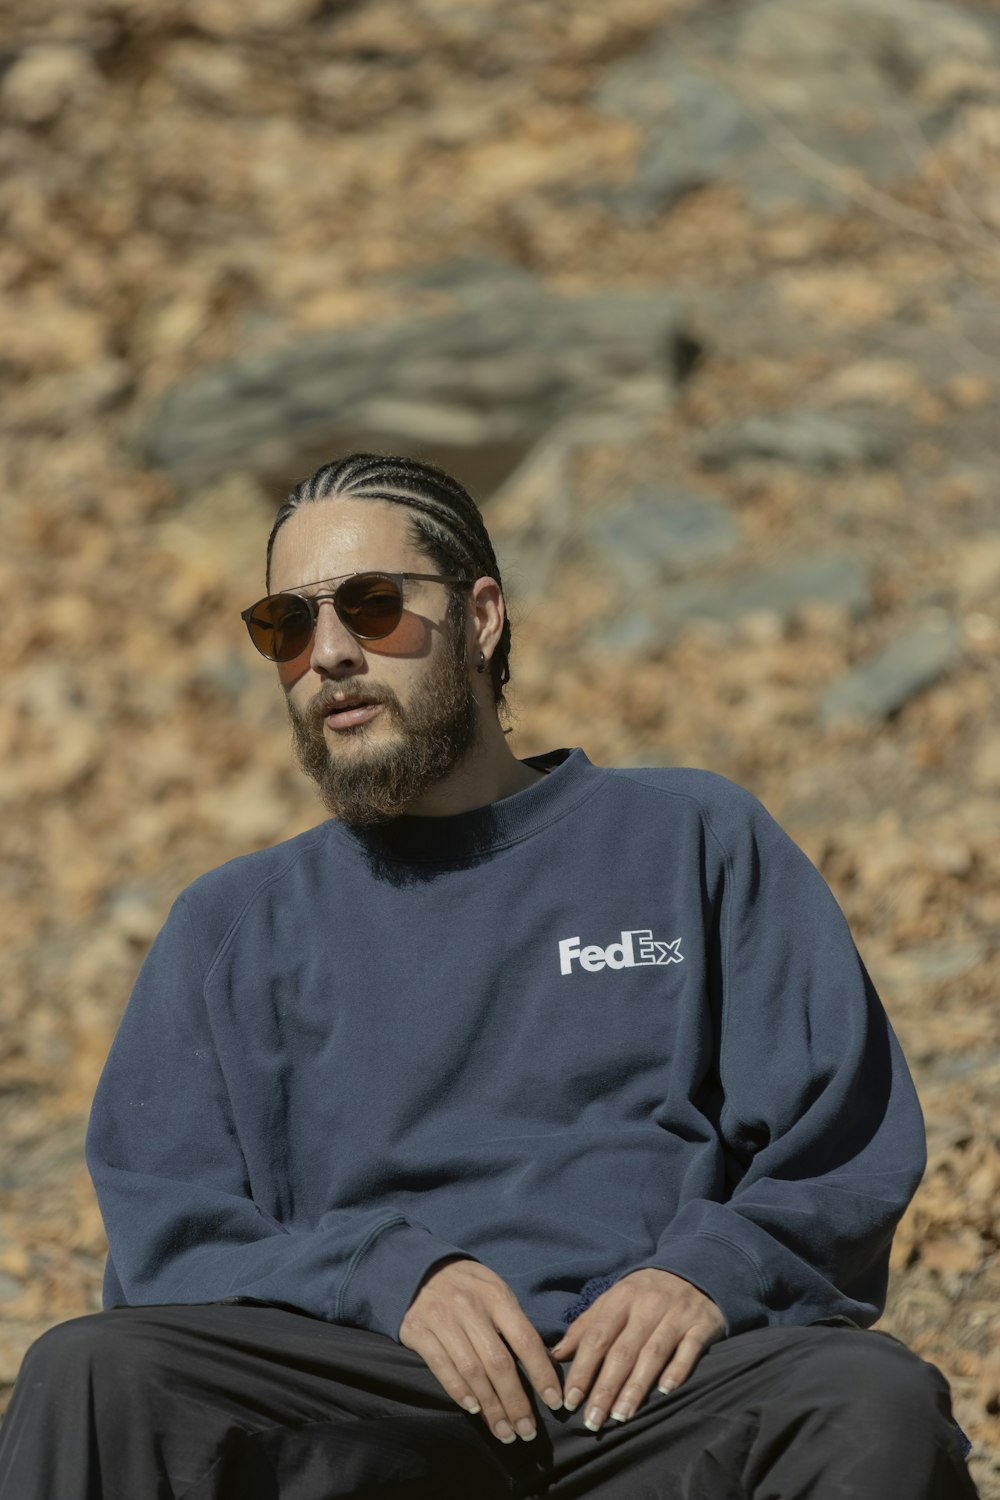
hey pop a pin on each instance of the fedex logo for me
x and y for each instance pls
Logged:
(636, 948)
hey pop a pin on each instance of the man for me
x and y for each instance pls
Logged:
(528, 1128)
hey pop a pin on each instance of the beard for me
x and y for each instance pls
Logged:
(374, 782)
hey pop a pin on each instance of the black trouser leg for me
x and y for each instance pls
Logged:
(235, 1403)
(777, 1414)
(869, 1419)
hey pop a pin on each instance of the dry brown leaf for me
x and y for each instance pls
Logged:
(964, 1251)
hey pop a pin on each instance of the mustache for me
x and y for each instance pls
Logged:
(327, 697)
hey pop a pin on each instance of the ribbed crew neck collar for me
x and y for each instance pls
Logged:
(451, 840)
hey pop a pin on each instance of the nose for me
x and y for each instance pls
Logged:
(335, 651)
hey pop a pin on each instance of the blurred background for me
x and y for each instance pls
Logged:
(700, 299)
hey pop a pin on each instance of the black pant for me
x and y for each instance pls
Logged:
(230, 1402)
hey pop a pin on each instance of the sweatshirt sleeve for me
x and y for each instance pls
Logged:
(174, 1189)
(819, 1118)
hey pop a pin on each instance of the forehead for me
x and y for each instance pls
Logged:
(323, 538)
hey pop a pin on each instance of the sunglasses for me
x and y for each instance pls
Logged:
(369, 605)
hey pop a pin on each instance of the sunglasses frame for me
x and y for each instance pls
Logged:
(313, 602)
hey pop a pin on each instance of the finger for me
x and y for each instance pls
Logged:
(483, 1363)
(567, 1345)
(626, 1401)
(459, 1367)
(506, 1407)
(628, 1371)
(687, 1354)
(443, 1367)
(535, 1359)
(596, 1338)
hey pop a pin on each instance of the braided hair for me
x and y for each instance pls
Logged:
(446, 524)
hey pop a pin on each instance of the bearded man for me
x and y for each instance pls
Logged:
(526, 1128)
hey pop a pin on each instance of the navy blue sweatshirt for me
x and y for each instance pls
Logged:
(615, 1020)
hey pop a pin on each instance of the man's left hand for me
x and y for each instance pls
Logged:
(650, 1326)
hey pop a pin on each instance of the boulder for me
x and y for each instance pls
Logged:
(807, 439)
(886, 681)
(793, 100)
(506, 362)
(656, 534)
(781, 590)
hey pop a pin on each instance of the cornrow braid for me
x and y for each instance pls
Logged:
(446, 524)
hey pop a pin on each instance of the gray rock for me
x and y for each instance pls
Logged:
(634, 631)
(47, 1156)
(230, 675)
(781, 590)
(883, 684)
(901, 39)
(818, 578)
(671, 80)
(812, 64)
(769, 98)
(807, 439)
(134, 912)
(695, 126)
(507, 362)
(939, 962)
(658, 534)
(465, 277)
(947, 1066)
(534, 515)
(9, 1288)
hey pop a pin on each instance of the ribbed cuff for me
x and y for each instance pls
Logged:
(386, 1273)
(722, 1271)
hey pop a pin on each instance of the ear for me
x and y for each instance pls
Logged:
(486, 616)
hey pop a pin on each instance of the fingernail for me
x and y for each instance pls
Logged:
(594, 1419)
(505, 1432)
(552, 1398)
(622, 1413)
(573, 1398)
(471, 1405)
(666, 1388)
(526, 1428)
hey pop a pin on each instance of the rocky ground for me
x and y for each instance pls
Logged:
(702, 300)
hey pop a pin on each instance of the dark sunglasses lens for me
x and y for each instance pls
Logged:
(281, 627)
(370, 606)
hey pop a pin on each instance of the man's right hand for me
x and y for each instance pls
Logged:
(464, 1322)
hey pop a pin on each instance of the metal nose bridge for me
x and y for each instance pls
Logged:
(327, 596)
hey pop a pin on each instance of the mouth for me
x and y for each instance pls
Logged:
(348, 713)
